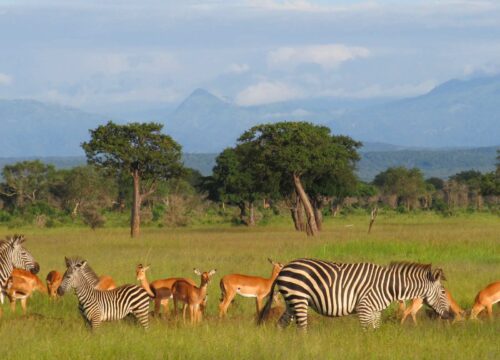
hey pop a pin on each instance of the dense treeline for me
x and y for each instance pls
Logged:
(295, 169)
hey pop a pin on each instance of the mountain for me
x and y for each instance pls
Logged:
(458, 113)
(33, 128)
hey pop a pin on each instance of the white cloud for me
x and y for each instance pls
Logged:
(308, 6)
(5, 79)
(328, 56)
(238, 68)
(267, 92)
(373, 91)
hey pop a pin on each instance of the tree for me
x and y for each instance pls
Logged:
(233, 181)
(406, 184)
(141, 151)
(290, 156)
(26, 181)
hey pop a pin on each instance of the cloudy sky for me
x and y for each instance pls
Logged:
(100, 54)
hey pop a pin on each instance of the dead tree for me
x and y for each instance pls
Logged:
(373, 216)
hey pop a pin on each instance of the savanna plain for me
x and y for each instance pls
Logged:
(467, 247)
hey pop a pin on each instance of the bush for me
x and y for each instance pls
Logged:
(93, 218)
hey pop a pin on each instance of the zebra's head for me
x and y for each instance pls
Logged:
(22, 258)
(436, 296)
(73, 274)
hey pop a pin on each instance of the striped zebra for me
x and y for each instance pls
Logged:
(14, 255)
(97, 306)
(337, 289)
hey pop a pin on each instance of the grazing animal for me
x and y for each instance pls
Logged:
(247, 286)
(53, 281)
(194, 297)
(14, 255)
(338, 289)
(486, 298)
(276, 311)
(96, 305)
(417, 303)
(159, 290)
(21, 286)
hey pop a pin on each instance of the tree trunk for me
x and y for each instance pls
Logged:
(311, 220)
(135, 219)
(243, 212)
(251, 219)
(297, 212)
(318, 215)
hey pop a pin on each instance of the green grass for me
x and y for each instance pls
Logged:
(466, 247)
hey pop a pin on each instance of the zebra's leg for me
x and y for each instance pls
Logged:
(300, 307)
(142, 316)
(369, 318)
(95, 323)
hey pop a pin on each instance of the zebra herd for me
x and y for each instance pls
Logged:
(331, 289)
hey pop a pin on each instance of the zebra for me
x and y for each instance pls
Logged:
(14, 255)
(338, 289)
(97, 306)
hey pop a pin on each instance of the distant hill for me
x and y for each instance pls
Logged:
(30, 128)
(458, 113)
(439, 163)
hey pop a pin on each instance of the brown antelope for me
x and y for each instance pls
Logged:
(246, 286)
(194, 297)
(105, 283)
(417, 303)
(53, 281)
(21, 285)
(159, 290)
(486, 298)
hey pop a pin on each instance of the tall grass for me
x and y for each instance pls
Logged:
(466, 247)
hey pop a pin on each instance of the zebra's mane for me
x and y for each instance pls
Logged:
(86, 270)
(406, 265)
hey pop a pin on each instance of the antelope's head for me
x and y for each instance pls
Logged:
(140, 272)
(205, 276)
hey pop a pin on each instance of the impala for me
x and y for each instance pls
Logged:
(417, 303)
(194, 297)
(159, 290)
(21, 285)
(53, 281)
(486, 298)
(246, 286)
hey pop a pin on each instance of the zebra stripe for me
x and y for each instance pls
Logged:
(97, 306)
(14, 255)
(339, 289)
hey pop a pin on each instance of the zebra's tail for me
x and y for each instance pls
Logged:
(267, 307)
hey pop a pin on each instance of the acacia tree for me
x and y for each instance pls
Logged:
(293, 155)
(141, 151)
(406, 184)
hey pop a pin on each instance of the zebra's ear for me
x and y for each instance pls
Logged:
(438, 274)
(83, 263)
(66, 261)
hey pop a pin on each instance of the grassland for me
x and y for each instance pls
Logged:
(467, 247)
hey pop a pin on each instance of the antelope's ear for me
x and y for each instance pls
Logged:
(438, 274)
(197, 272)
(66, 261)
(211, 272)
(270, 260)
(146, 267)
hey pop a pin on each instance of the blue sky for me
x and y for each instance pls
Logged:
(99, 55)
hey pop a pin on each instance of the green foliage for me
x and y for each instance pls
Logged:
(26, 181)
(134, 147)
(407, 184)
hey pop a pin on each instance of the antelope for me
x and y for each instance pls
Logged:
(246, 286)
(21, 285)
(54, 278)
(417, 303)
(194, 297)
(486, 298)
(53, 281)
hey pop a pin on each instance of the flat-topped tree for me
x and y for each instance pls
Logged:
(139, 149)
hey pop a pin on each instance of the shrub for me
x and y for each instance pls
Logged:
(93, 218)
